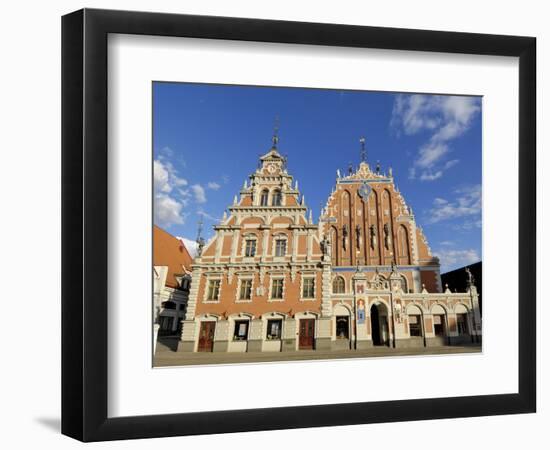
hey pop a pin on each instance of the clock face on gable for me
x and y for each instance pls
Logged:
(364, 191)
(271, 168)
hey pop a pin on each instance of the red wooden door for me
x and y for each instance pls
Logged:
(206, 336)
(307, 330)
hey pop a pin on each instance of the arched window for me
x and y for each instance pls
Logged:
(264, 198)
(416, 328)
(338, 286)
(277, 198)
(403, 238)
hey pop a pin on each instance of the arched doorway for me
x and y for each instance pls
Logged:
(379, 324)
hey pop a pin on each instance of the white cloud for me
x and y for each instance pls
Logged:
(165, 177)
(168, 211)
(451, 259)
(199, 193)
(190, 245)
(467, 204)
(213, 185)
(169, 197)
(447, 243)
(446, 117)
(161, 177)
(204, 214)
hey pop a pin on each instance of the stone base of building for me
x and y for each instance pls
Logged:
(323, 343)
(437, 341)
(186, 346)
(362, 345)
(289, 345)
(220, 346)
(409, 343)
(341, 344)
(465, 340)
(255, 345)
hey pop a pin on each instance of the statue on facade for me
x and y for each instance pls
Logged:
(325, 246)
(387, 236)
(471, 279)
(358, 235)
(373, 242)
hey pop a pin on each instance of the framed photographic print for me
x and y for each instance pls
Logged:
(296, 224)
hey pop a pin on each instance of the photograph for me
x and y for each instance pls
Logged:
(312, 224)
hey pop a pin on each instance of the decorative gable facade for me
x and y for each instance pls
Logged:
(272, 280)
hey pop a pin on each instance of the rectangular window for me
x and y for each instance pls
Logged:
(274, 328)
(415, 325)
(213, 290)
(246, 290)
(308, 290)
(241, 330)
(280, 247)
(250, 247)
(277, 288)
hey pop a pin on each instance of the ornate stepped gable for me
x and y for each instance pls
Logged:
(267, 234)
(369, 224)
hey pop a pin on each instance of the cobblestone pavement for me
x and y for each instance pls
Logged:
(166, 356)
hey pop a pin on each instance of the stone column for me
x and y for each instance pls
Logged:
(476, 316)
(294, 245)
(222, 336)
(324, 334)
(326, 289)
(219, 242)
(265, 240)
(290, 335)
(189, 330)
(255, 335)
(234, 243)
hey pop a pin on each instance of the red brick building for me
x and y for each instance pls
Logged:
(272, 280)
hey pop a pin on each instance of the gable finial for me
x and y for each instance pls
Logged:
(362, 140)
(200, 240)
(275, 138)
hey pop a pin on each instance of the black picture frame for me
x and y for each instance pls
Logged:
(84, 224)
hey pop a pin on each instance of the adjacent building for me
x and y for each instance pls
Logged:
(273, 280)
(171, 281)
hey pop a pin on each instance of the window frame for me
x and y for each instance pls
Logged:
(280, 333)
(277, 240)
(238, 297)
(271, 290)
(336, 279)
(207, 290)
(238, 322)
(303, 286)
(254, 240)
(264, 194)
(277, 198)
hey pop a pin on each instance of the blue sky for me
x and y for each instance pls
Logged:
(207, 140)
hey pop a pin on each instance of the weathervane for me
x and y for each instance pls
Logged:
(363, 150)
